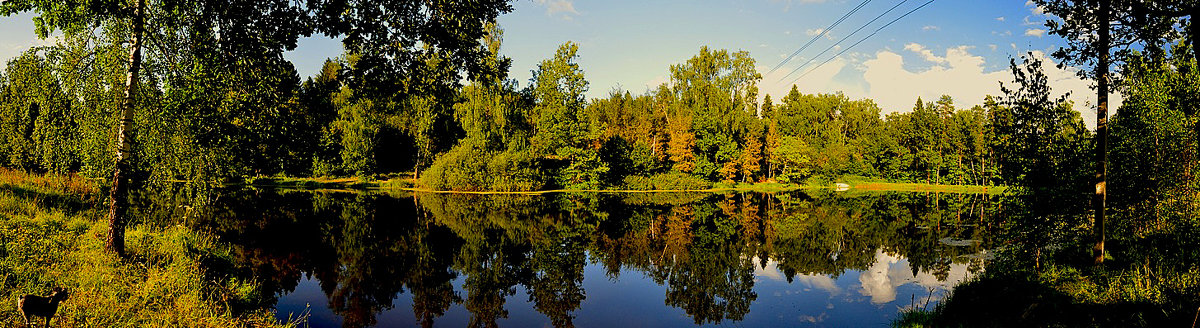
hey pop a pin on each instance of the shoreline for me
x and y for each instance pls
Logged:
(399, 184)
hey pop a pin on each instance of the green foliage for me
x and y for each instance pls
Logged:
(1155, 141)
(1048, 141)
(469, 167)
(705, 122)
(464, 167)
(38, 126)
(666, 181)
(719, 91)
(358, 126)
(584, 169)
(173, 280)
(558, 92)
(792, 157)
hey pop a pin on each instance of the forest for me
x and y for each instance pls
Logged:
(707, 125)
(137, 93)
(205, 117)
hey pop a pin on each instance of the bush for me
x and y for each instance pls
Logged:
(637, 182)
(515, 171)
(470, 168)
(666, 181)
(679, 181)
(464, 167)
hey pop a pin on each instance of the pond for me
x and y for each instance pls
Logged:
(358, 259)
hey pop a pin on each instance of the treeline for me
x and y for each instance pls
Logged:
(228, 120)
(706, 125)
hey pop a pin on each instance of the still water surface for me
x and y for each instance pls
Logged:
(603, 260)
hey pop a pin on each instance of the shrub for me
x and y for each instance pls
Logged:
(679, 181)
(637, 182)
(666, 181)
(515, 171)
(470, 168)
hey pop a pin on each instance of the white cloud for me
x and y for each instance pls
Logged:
(1026, 21)
(925, 53)
(1034, 8)
(814, 319)
(930, 28)
(818, 281)
(993, 47)
(1000, 19)
(956, 72)
(10, 50)
(962, 76)
(553, 7)
(821, 79)
(817, 31)
(1035, 32)
(659, 80)
(890, 272)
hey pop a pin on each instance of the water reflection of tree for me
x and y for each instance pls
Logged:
(366, 249)
(715, 281)
(559, 256)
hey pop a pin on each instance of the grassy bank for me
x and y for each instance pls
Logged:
(1149, 277)
(924, 187)
(1067, 296)
(868, 184)
(406, 183)
(51, 228)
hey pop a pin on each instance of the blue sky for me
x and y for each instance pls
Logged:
(955, 47)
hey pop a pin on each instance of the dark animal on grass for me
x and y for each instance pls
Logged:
(38, 306)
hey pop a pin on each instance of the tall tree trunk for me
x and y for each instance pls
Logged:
(118, 195)
(1099, 198)
(1194, 28)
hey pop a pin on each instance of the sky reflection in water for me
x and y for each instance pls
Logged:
(870, 297)
(601, 260)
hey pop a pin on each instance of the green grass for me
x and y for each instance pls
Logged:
(870, 184)
(405, 182)
(1065, 297)
(51, 228)
(1131, 289)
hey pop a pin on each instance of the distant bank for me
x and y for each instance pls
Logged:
(408, 184)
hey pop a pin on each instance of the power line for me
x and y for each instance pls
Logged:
(810, 60)
(821, 35)
(863, 39)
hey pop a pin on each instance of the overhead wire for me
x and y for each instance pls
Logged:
(819, 36)
(843, 39)
(863, 39)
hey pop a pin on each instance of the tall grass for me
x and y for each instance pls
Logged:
(50, 236)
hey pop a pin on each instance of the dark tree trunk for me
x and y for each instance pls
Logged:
(1194, 31)
(118, 196)
(1101, 194)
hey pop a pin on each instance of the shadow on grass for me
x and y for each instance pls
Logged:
(70, 204)
(1014, 301)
